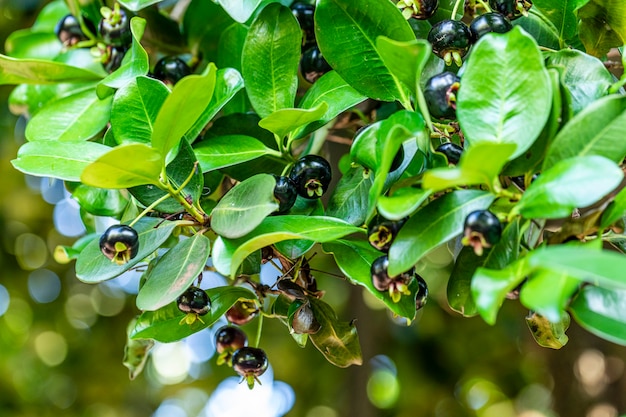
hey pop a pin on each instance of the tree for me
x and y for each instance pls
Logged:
(490, 135)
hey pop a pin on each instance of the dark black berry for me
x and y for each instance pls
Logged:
(381, 232)
(452, 151)
(250, 363)
(313, 65)
(311, 175)
(285, 193)
(112, 57)
(69, 32)
(450, 40)
(440, 94)
(487, 23)
(228, 339)
(511, 9)
(418, 9)
(304, 13)
(482, 229)
(396, 285)
(422, 292)
(194, 300)
(114, 27)
(171, 69)
(120, 243)
(242, 312)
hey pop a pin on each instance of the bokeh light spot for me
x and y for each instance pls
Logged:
(79, 311)
(171, 361)
(383, 388)
(51, 348)
(31, 251)
(107, 301)
(66, 217)
(19, 316)
(322, 411)
(44, 286)
(5, 300)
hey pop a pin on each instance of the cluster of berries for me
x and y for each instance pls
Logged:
(308, 178)
(312, 62)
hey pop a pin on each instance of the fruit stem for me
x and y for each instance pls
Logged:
(421, 104)
(149, 208)
(259, 330)
(196, 212)
(485, 6)
(456, 8)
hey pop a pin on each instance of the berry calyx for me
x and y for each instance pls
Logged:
(285, 193)
(114, 27)
(242, 312)
(511, 9)
(69, 32)
(250, 363)
(195, 302)
(313, 65)
(452, 151)
(170, 70)
(450, 40)
(311, 175)
(120, 243)
(228, 339)
(418, 9)
(488, 23)
(397, 285)
(381, 232)
(482, 229)
(440, 94)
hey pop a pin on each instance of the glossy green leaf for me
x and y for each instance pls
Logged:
(569, 184)
(164, 324)
(63, 160)
(135, 108)
(295, 248)
(270, 59)
(602, 312)
(494, 108)
(182, 108)
(480, 164)
(241, 11)
(585, 76)
(331, 89)
(173, 273)
(284, 121)
(402, 203)
(93, 267)
(124, 166)
(433, 225)
(349, 200)
(354, 258)
(615, 210)
(36, 71)
(548, 293)
(597, 130)
(136, 352)
(405, 60)
(244, 206)
(224, 151)
(201, 35)
(26, 43)
(540, 28)
(229, 53)
(562, 16)
(348, 42)
(602, 25)
(136, 5)
(549, 333)
(80, 116)
(101, 201)
(228, 254)
(363, 149)
(458, 289)
(338, 341)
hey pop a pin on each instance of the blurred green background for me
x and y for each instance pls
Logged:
(62, 342)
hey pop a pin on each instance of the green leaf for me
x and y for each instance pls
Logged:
(241, 11)
(228, 254)
(548, 293)
(602, 311)
(270, 59)
(481, 163)
(549, 333)
(201, 34)
(36, 71)
(402, 203)
(224, 151)
(244, 206)
(164, 324)
(354, 258)
(494, 109)
(331, 89)
(597, 130)
(585, 77)
(124, 166)
(346, 32)
(229, 54)
(602, 26)
(174, 273)
(182, 108)
(62, 160)
(26, 43)
(540, 28)
(93, 267)
(614, 211)
(562, 16)
(101, 201)
(338, 341)
(80, 116)
(571, 183)
(405, 60)
(284, 121)
(433, 225)
(349, 200)
(135, 108)
(136, 5)
(459, 285)
(135, 352)
(363, 149)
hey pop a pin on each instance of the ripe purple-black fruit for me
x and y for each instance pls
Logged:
(195, 302)
(69, 32)
(422, 292)
(418, 9)
(250, 363)
(120, 243)
(171, 69)
(228, 339)
(450, 39)
(313, 65)
(285, 193)
(488, 23)
(114, 27)
(311, 175)
(396, 285)
(452, 151)
(242, 312)
(482, 229)
(381, 232)
(512, 9)
(440, 94)
(304, 13)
